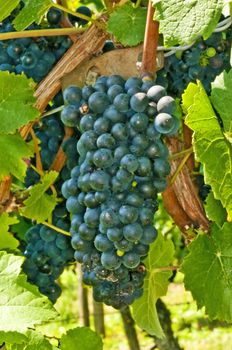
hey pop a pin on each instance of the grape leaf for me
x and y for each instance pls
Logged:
(12, 337)
(210, 144)
(214, 210)
(207, 269)
(7, 6)
(40, 205)
(33, 11)
(127, 24)
(81, 338)
(221, 97)
(7, 240)
(16, 102)
(12, 151)
(20, 300)
(34, 340)
(183, 21)
(155, 285)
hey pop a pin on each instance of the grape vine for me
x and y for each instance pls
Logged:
(81, 170)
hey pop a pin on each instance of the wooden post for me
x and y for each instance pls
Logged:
(129, 326)
(150, 44)
(83, 300)
(99, 323)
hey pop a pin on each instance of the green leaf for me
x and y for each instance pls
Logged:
(7, 6)
(81, 338)
(221, 97)
(127, 24)
(214, 210)
(40, 205)
(156, 282)
(207, 269)
(33, 11)
(183, 21)
(16, 102)
(12, 151)
(34, 341)
(21, 304)
(7, 240)
(12, 337)
(210, 144)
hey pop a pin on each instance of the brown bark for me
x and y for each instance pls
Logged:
(150, 43)
(183, 193)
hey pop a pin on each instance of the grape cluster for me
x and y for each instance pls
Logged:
(50, 134)
(47, 253)
(112, 192)
(203, 61)
(33, 56)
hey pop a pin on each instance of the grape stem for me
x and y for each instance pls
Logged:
(41, 174)
(37, 170)
(41, 32)
(52, 111)
(76, 14)
(137, 4)
(39, 164)
(181, 153)
(55, 228)
(166, 268)
(180, 167)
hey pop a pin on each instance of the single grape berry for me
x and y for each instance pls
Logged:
(164, 123)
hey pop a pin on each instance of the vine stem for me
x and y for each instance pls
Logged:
(150, 44)
(55, 228)
(41, 32)
(5, 189)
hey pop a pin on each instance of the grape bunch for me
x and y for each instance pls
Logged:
(112, 192)
(203, 61)
(47, 253)
(50, 134)
(33, 56)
